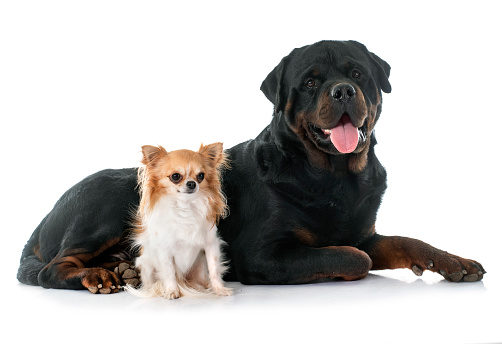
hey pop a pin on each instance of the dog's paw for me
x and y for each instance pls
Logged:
(171, 294)
(100, 281)
(223, 291)
(451, 267)
(128, 274)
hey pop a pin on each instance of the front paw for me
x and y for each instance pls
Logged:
(100, 281)
(223, 291)
(171, 294)
(451, 267)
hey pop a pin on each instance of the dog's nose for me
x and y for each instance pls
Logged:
(191, 185)
(343, 92)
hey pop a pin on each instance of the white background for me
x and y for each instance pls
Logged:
(84, 84)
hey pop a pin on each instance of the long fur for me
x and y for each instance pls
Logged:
(175, 229)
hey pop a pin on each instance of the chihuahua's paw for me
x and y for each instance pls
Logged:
(223, 291)
(171, 294)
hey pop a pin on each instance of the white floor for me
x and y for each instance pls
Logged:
(386, 307)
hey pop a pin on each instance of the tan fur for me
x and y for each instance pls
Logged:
(159, 164)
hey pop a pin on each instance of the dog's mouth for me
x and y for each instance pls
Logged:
(344, 136)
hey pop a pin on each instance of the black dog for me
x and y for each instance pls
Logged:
(303, 195)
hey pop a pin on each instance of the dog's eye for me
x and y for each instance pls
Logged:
(200, 177)
(356, 74)
(310, 83)
(175, 178)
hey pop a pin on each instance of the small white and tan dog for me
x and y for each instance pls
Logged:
(181, 202)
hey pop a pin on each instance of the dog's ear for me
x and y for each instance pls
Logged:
(273, 86)
(151, 154)
(382, 67)
(213, 154)
(383, 72)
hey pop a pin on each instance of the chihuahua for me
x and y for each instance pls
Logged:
(175, 229)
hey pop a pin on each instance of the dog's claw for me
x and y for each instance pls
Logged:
(452, 268)
(417, 270)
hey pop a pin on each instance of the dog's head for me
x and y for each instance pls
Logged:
(330, 94)
(184, 174)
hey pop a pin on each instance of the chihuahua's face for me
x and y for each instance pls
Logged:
(183, 171)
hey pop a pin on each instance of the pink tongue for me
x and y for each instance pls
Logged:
(345, 136)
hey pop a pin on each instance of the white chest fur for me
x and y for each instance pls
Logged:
(180, 249)
(177, 228)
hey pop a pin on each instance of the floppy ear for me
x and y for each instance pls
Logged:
(152, 154)
(382, 67)
(383, 73)
(273, 87)
(213, 154)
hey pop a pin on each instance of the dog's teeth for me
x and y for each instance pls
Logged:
(362, 136)
(327, 131)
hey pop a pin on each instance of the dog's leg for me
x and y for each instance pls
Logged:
(29, 269)
(148, 274)
(69, 272)
(31, 261)
(215, 265)
(301, 264)
(396, 252)
(167, 275)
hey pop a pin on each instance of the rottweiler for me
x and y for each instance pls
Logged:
(303, 195)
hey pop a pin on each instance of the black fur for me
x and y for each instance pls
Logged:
(93, 212)
(300, 211)
(273, 189)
